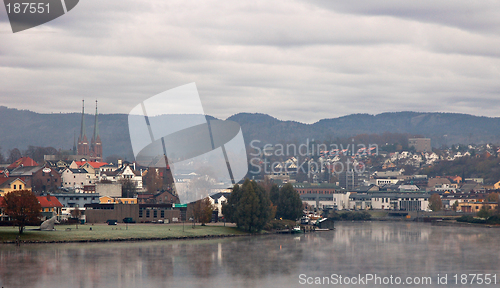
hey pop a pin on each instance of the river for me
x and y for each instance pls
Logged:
(388, 251)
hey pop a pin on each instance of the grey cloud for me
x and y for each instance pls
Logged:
(482, 16)
(293, 60)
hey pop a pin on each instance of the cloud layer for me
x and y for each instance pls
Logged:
(298, 60)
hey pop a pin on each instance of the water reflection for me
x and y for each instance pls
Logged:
(402, 249)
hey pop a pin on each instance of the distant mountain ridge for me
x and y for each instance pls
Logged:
(20, 128)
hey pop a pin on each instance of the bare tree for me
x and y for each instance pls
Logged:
(76, 213)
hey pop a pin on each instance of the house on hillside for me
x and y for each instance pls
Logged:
(25, 173)
(12, 184)
(46, 179)
(161, 197)
(77, 178)
(125, 172)
(217, 200)
(469, 187)
(90, 166)
(22, 162)
(50, 206)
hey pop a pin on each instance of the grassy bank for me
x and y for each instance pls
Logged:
(103, 232)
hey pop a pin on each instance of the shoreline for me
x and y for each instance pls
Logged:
(105, 233)
(128, 239)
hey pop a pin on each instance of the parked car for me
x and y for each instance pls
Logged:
(128, 220)
(111, 222)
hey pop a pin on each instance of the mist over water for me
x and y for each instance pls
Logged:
(381, 248)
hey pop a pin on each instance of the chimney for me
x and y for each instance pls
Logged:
(48, 196)
(120, 163)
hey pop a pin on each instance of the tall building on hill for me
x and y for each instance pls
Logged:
(93, 150)
(420, 144)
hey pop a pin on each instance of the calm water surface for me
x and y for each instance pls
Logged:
(353, 250)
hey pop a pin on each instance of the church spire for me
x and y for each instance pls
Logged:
(82, 128)
(83, 145)
(96, 125)
(74, 143)
(95, 142)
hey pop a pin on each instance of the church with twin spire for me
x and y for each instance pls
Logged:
(93, 150)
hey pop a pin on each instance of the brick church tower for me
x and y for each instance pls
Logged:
(93, 150)
(82, 147)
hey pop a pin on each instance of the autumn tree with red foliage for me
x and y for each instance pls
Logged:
(202, 211)
(23, 208)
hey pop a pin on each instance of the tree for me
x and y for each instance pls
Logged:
(229, 208)
(128, 188)
(23, 208)
(202, 211)
(249, 207)
(455, 206)
(435, 203)
(2, 158)
(153, 180)
(113, 159)
(274, 194)
(492, 197)
(289, 204)
(484, 212)
(14, 154)
(37, 153)
(76, 213)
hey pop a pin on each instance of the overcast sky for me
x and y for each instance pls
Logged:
(294, 60)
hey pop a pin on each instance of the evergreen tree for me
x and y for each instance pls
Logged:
(274, 195)
(249, 207)
(289, 204)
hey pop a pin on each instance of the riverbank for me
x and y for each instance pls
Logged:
(120, 232)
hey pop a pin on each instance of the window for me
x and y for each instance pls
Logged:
(140, 213)
(147, 213)
(155, 213)
(162, 213)
(20, 186)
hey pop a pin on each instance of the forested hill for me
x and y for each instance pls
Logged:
(442, 128)
(20, 128)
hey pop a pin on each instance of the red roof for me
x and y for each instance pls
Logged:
(93, 164)
(23, 161)
(49, 201)
(3, 180)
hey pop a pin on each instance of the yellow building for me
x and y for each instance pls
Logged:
(113, 200)
(13, 184)
(496, 185)
(128, 200)
(107, 200)
(471, 207)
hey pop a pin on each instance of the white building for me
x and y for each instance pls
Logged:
(337, 201)
(402, 201)
(77, 178)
